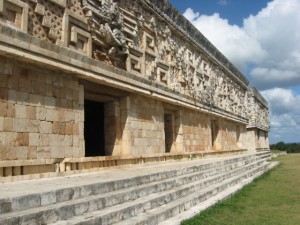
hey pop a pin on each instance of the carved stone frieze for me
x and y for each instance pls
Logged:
(135, 35)
(106, 23)
(258, 112)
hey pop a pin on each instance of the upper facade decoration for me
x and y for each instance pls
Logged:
(147, 38)
(258, 112)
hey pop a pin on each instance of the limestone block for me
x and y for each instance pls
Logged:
(12, 96)
(43, 153)
(54, 140)
(56, 127)
(1, 124)
(76, 152)
(51, 115)
(35, 99)
(7, 152)
(69, 116)
(68, 152)
(61, 115)
(68, 140)
(11, 110)
(75, 129)
(49, 102)
(41, 113)
(34, 139)
(48, 198)
(22, 96)
(31, 112)
(81, 95)
(3, 108)
(46, 127)
(81, 129)
(69, 128)
(75, 140)
(21, 111)
(44, 139)
(21, 152)
(11, 138)
(32, 152)
(33, 126)
(57, 152)
(22, 139)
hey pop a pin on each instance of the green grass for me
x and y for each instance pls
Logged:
(273, 198)
(276, 151)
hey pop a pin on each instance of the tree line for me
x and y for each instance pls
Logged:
(288, 147)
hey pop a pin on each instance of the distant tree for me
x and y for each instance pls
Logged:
(288, 147)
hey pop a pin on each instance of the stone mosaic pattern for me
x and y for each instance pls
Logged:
(130, 35)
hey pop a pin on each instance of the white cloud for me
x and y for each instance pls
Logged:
(223, 2)
(231, 40)
(269, 40)
(282, 101)
(284, 114)
(267, 46)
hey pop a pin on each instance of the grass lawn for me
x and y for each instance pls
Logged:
(273, 198)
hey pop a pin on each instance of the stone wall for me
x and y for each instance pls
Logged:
(41, 113)
(191, 130)
(164, 87)
(146, 127)
(196, 131)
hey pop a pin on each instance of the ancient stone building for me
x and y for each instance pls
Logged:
(92, 83)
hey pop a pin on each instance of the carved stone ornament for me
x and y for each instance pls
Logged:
(105, 20)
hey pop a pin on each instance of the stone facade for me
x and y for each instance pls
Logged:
(89, 78)
(258, 125)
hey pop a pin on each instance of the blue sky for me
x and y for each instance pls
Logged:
(233, 10)
(262, 39)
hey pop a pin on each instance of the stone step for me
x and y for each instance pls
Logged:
(264, 154)
(160, 214)
(229, 192)
(77, 189)
(65, 210)
(116, 213)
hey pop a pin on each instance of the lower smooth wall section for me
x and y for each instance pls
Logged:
(196, 131)
(155, 127)
(257, 139)
(41, 113)
(146, 127)
(230, 135)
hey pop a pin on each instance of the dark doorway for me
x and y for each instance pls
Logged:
(94, 128)
(169, 131)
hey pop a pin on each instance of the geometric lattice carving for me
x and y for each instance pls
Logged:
(45, 19)
(79, 38)
(162, 72)
(15, 12)
(134, 61)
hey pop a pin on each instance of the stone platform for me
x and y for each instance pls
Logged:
(148, 194)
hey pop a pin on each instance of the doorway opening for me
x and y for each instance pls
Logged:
(169, 131)
(94, 133)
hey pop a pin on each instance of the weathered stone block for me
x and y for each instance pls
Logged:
(3, 108)
(43, 153)
(46, 127)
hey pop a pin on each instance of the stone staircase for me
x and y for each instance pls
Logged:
(130, 195)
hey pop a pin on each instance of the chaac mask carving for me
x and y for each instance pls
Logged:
(106, 23)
